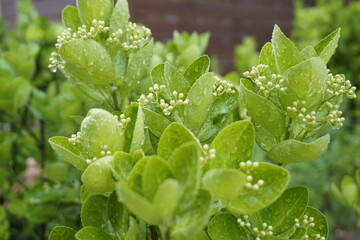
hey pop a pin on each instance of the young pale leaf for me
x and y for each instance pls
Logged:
(281, 213)
(88, 61)
(305, 82)
(285, 52)
(92, 212)
(166, 198)
(234, 144)
(156, 122)
(275, 180)
(190, 223)
(138, 136)
(138, 205)
(92, 233)
(200, 101)
(94, 9)
(118, 215)
(308, 52)
(224, 183)
(198, 68)
(98, 176)
(120, 16)
(122, 165)
(73, 154)
(258, 107)
(174, 136)
(70, 17)
(292, 151)
(349, 190)
(62, 233)
(185, 165)
(135, 177)
(224, 226)
(176, 81)
(155, 172)
(267, 57)
(326, 47)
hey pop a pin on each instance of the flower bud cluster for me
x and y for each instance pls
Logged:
(210, 154)
(104, 150)
(266, 229)
(123, 121)
(75, 138)
(82, 32)
(334, 116)
(337, 85)
(55, 62)
(221, 87)
(306, 222)
(89, 161)
(256, 71)
(306, 119)
(131, 37)
(247, 167)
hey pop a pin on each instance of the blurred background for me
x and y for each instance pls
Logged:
(39, 191)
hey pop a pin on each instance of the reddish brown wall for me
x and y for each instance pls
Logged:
(227, 20)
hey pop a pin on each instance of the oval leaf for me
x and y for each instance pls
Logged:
(62, 233)
(224, 226)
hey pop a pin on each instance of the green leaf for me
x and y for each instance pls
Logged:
(88, 61)
(224, 183)
(135, 177)
(138, 205)
(74, 154)
(308, 53)
(92, 212)
(267, 57)
(156, 122)
(122, 165)
(92, 233)
(292, 151)
(285, 52)
(176, 81)
(190, 223)
(249, 201)
(98, 176)
(62, 233)
(118, 215)
(173, 136)
(166, 198)
(94, 9)
(185, 165)
(200, 101)
(349, 190)
(70, 17)
(138, 136)
(155, 172)
(281, 213)
(305, 82)
(234, 144)
(326, 47)
(120, 16)
(198, 68)
(224, 226)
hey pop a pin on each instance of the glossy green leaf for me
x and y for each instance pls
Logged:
(94, 9)
(156, 122)
(174, 136)
(176, 81)
(234, 144)
(281, 213)
(267, 57)
(92, 233)
(118, 215)
(100, 132)
(224, 183)
(120, 16)
(285, 52)
(92, 212)
(62, 233)
(308, 52)
(138, 136)
(137, 230)
(98, 176)
(155, 172)
(326, 47)
(224, 226)
(70, 17)
(122, 165)
(191, 222)
(73, 154)
(135, 177)
(292, 151)
(198, 68)
(88, 61)
(305, 82)
(200, 101)
(138, 205)
(248, 200)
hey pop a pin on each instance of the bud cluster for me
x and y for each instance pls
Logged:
(337, 85)
(265, 231)
(75, 138)
(123, 121)
(306, 119)
(131, 37)
(210, 154)
(247, 167)
(221, 87)
(104, 150)
(55, 62)
(307, 221)
(334, 116)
